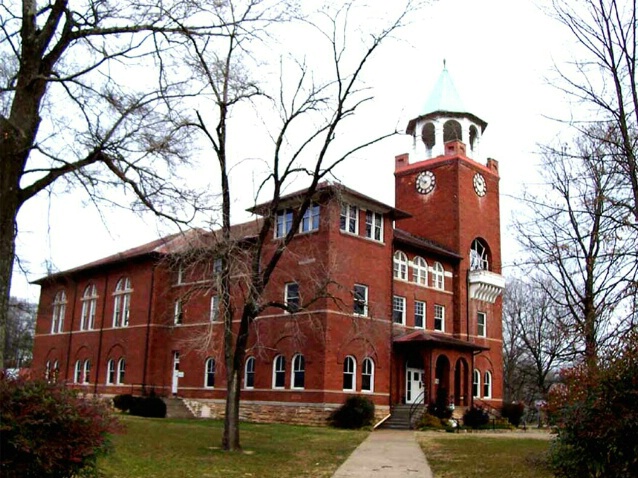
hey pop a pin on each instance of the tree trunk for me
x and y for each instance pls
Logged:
(230, 439)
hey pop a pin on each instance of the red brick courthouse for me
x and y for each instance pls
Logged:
(414, 311)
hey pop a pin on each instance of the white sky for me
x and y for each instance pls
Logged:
(499, 54)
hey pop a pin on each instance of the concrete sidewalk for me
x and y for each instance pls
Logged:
(386, 454)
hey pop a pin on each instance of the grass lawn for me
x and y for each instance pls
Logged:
(163, 448)
(476, 455)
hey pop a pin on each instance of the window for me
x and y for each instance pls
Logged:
(110, 372)
(284, 222)
(438, 276)
(217, 266)
(476, 383)
(59, 309)
(298, 371)
(398, 310)
(89, 306)
(77, 376)
(360, 299)
(478, 256)
(87, 371)
(214, 308)
(419, 314)
(310, 220)
(349, 369)
(481, 321)
(279, 372)
(122, 296)
(178, 314)
(47, 371)
(419, 271)
(249, 374)
(55, 371)
(439, 318)
(349, 220)
(487, 385)
(209, 376)
(367, 375)
(291, 298)
(400, 266)
(121, 371)
(374, 226)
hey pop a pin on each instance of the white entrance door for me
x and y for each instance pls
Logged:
(414, 385)
(176, 374)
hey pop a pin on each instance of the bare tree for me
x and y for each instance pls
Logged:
(309, 113)
(575, 240)
(18, 339)
(72, 114)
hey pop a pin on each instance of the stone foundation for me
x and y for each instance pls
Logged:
(273, 412)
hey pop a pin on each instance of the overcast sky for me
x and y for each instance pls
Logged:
(499, 54)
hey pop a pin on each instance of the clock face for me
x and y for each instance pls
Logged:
(479, 185)
(425, 182)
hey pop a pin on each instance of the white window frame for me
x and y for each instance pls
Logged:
(298, 367)
(350, 371)
(59, 311)
(86, 372)
(374, 226)
(420, 271)
(89, 307)
(77, 372)
(210, 368)
(283, 222)
(439, 315)
(398, 310)
(476, 383)
(249, 370)
(311, 219)
(121, 371)
(349, 219)
(479, 260)
(122, 302)
(178, 312)
(292, 300)
(438, 276)
(279, 370)
(481, 324)
(367, 370)
(110, 372)
(359, 302)
(214, 308)
(400, 269)
(487, 384)
(420, 311)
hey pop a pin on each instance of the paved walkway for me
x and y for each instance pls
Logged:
(386, 454)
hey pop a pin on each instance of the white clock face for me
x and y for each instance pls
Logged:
(479, 185)
(425, 182)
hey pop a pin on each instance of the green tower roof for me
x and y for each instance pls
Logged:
(444, 96)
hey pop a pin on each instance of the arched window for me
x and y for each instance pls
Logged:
(249, 373)
(110, 372)
(428, 136)
(77, 375)
(89, 306)
(209, 377)
(438, 276)
(122, 302)
(473, 137)
(476, 383)
(121, 371)
(420, 271)
(487, 385)
(279, 372)
(87, 371)
(55, 371)
(452, 131)
(349, 373)
(479, 259)
(400, 266)
(47, 371)
(59, 309)
(298, 371)
(367, 375)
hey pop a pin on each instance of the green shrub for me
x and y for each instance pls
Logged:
(513, 412)
(47, 430)
(430, 421)
(356, 412)
(123, 402)
(476, 417)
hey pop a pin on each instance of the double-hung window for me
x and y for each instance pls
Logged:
(438, 276)
(279, 372)
(419, 314)
(374, 226)
(398, 310)
(89, 306)
(249, 374)
(178, 315)
(59, 309)
(284, 222)
(400, 266)
(298, 371)
(209, 374)
(439, 318)
(420, 271)
(310, 220)
(349, 220)
(481, 324)
(214, 308)
(367, 375)
(292, 298)
(122, 302)
(360, 293)
(349, 371)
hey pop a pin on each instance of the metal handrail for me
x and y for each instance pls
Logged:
(420, 400)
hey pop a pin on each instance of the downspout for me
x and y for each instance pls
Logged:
(68, 348)
(148, 327)
(392, 364)
(467, 305)
(99, 347)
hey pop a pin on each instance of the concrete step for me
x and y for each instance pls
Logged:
(175, 408)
